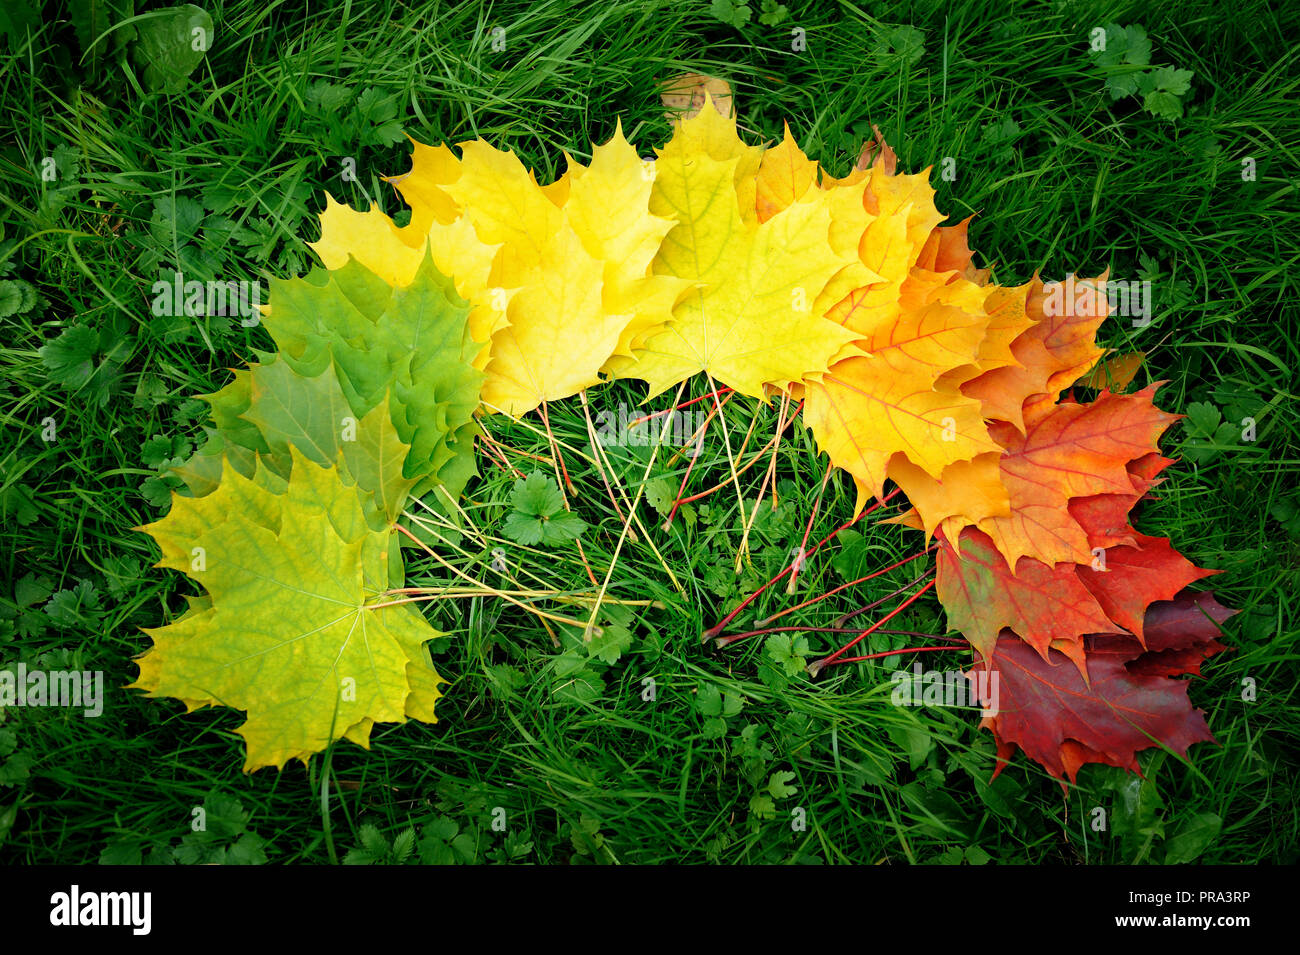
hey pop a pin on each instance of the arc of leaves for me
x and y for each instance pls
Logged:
(752, 266)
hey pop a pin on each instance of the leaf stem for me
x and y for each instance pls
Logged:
(830, 593)
(496, 593)
(797, 564)
(875, 656)
(601, 456)
(618, 548)
(817, 667)
(735, 637)
(718, 627)
(758, 455)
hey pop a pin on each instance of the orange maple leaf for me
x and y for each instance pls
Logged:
(1051, 355)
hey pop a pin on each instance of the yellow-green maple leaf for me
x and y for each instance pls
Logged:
(410, 343)
(269, 407)
(395, 255)
(286, 632)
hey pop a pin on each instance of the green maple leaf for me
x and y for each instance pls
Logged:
(286, 631)
(270, 407)
(355, 348)
(410, 343)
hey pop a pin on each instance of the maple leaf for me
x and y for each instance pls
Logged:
(1132, 577)
(284, 631)
(395, 255)
(1130, 702)
(1068, 450)
(1045, 605)
(867, 408)
(752, 317)
(578, 253)
(269, 408)
(1051, 355)
(408, 344)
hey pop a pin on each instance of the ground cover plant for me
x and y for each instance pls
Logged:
(561, 555)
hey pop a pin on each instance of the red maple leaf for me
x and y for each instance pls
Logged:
(1105, 517)
(1133, 577)
(1046, 605)
(1069, 451)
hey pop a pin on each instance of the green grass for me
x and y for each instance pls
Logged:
(226, 178)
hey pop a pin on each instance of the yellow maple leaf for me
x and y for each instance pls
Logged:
(432, 168)
(784, 175)
(751, 317)
(713, 134)
(579, 254)
(607, 204)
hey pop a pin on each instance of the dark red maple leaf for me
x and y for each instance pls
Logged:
(1180, 634)
(1133, 700)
